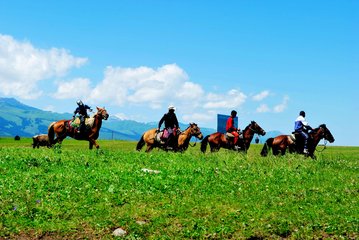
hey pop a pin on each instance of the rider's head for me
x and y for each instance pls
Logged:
(302, 113)
(171, 108)
(79, 102)
(234, 113)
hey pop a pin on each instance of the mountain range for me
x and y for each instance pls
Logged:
(18, 119)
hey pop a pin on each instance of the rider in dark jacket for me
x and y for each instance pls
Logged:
(82, 111)
(171, 125)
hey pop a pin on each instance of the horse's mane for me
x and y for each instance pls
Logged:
(248, 126)
(188, 127)
(320, 126)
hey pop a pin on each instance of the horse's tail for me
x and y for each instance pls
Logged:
(204, 144)
(51, 133)
(140, 144)
(266, 147)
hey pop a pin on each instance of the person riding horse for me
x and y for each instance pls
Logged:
(302, 127)
(171, 126)
(230, 128)
(81, 110)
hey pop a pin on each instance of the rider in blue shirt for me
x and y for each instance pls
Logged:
(302, 127)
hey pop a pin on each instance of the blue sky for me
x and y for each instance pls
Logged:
(266, 59)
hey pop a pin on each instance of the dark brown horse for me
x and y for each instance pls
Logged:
(295, 144)
(40, 140)
(218, 140)
(152, 139)
(63, 128)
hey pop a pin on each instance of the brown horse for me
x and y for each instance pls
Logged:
(152, 139)
(63, 128)
(295, 144)
(218, 140)
(40, 140)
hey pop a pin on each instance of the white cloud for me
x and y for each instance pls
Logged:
(263, 108)
(198, 117)
(190, 91)
(281, 107)
(77, 88)
(22, 66)
(233, 99)
(144, 85)
(260, 96)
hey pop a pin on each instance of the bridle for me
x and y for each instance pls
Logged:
(193, 134)
(323, 136)
(255, 131)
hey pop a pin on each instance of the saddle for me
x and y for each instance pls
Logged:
(75, 124)
(88, 122)
(159, 137)
(297, 137)
(292, 136)
(230, 135)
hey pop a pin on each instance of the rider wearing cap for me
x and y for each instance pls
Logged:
(82, 111)
(230, 128)
(171, 124)
(302, 127)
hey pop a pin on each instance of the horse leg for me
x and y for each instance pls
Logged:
(93, 142)
(213, 147)
(275, 150)
(149, 148)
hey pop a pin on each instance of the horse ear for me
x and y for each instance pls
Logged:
(97, 108)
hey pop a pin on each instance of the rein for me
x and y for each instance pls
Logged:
(250, 128)
(324, 146)
(193, 144)
(325, 141)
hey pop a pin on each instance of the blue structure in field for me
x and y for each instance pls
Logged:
(221, 122)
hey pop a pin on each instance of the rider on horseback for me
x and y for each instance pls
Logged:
(82, 111)
(302, 127)
(171, 126)
(230, 128)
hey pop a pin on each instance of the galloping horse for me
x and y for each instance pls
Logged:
(218, 140)
(151, 138)
(280, 143)
(63, 128)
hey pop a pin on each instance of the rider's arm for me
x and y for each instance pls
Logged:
(161, 121)
(176, 122)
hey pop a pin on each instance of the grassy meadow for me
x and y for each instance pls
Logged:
(73, 193)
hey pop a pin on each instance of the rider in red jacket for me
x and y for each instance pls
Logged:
(230, 128)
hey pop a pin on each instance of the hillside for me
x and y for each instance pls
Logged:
(19, 119)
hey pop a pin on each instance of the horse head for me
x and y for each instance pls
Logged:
(326, 134)
(256, 128)
(102, 113)
(196, 131)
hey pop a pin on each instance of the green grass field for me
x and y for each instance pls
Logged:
(73, 193)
